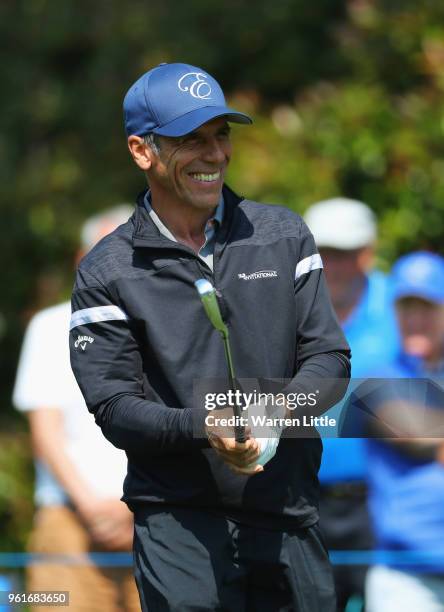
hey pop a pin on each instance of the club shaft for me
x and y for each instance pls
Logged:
(239, 430)
(209, 300)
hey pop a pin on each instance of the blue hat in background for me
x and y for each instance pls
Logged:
(173, 100)
(419, 274)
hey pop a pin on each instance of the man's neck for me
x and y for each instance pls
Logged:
(187, 224)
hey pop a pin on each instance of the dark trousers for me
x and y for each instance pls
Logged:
(345, 524)
(187, 559)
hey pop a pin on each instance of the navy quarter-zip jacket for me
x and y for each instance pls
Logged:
(140, 337)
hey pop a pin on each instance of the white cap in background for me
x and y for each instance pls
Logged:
(97, 227)
(341, 223)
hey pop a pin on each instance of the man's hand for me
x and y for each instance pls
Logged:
(109, 522)
(239, 456)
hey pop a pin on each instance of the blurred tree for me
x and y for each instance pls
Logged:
(16, 504)
(66, 68)
(346, 96)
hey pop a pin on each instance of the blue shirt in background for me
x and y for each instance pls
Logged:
(406, 494)
(371, 331)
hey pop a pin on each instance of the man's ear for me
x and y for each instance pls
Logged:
(140, 152)
(365, 258)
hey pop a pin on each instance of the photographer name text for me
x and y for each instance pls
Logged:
(212, 420)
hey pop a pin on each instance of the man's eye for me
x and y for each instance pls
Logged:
(189, 140)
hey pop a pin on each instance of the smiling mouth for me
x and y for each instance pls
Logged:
(205, 178)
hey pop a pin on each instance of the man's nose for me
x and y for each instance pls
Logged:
(214, 151)
(416, 322)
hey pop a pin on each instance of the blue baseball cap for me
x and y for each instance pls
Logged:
(419, 274)
(173, 100)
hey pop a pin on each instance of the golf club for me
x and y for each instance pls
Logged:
(208, 297)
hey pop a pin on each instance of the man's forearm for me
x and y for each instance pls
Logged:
(411, 428)
(133, 423)
(141, 426)
(328, 373)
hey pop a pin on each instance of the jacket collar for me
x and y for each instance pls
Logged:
(146, 234)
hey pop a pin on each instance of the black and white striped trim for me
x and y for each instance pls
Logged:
(314, 262)
(97, 315)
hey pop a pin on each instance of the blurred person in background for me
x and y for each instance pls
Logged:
(345, 233)
(79, 475)
(406, 474)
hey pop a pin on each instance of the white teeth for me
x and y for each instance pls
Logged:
(207, 178)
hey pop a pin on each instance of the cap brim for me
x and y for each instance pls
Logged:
(413, 291)
(194, 119)
(340, 243)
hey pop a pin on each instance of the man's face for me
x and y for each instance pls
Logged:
(342, 269)
(422, 327)
(190, 169)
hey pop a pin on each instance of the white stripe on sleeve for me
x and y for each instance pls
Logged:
(314, 262)
(96, 315)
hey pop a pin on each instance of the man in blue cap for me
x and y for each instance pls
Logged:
(219, 525)
(345, 232)
(406, 458)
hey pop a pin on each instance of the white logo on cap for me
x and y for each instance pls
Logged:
(195, 84)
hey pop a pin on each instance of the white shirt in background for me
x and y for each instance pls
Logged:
(45, 380)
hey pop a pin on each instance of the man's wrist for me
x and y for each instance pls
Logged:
(268, 435)
(193, 427)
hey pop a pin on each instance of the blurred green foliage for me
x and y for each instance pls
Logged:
(15, 490)
(347, 98)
